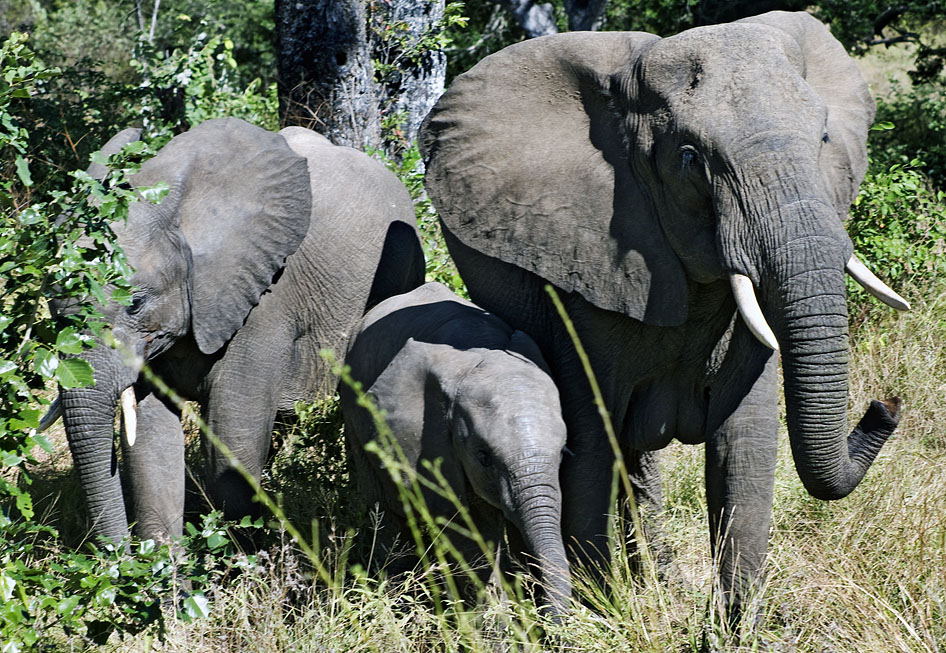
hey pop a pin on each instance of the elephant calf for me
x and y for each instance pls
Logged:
(458, 384)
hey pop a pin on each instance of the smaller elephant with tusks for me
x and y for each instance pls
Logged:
(458, 384)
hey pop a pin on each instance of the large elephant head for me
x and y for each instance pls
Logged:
(238, 205)
(626, 168)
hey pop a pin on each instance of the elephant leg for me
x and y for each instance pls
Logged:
(154, 468)
(740, 480)
(644, 474)
(586, 478)
(244, 390)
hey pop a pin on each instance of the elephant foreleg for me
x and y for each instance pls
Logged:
(241, 402)
(740, 478)
(154, 469)
(644, 474)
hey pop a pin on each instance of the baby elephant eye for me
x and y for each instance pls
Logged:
(483, 457)
(824, 137)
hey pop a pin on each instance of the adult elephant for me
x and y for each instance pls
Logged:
(267, 248)
(660, 184)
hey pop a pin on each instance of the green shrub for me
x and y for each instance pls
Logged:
(919, 115)
(898, 226)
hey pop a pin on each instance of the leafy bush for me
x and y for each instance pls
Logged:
(919, 115)
(898, 225)
(187, 86)
(60, 241)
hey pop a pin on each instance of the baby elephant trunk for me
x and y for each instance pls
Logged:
(537, 513)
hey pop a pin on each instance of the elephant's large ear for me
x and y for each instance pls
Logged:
(836, 78)
(113, 146)
(243, 201)
(526, 163)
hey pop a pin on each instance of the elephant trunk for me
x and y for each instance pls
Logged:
(537, 513)
(800, 268)
(812, 326)
(89, 416)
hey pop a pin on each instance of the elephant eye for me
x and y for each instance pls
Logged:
(137, 303)
(483, 458)
(689, 156)
(824, 137)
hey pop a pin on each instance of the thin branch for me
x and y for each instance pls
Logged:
(154, 22)
(888, 16)
(905, 38)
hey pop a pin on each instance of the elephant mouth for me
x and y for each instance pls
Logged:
(751, 313)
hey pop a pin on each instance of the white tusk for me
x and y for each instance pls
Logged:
(750, 311)
(862, 275)
(54, 413)
(130, 415)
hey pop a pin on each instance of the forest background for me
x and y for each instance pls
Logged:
(866, 573)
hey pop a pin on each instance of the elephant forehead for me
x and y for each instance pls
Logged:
(721, 57)
(504, 378)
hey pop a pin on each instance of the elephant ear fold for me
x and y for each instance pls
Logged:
(526, 162)
(836, 78)
(243, 205)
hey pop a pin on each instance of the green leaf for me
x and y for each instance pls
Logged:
(7, 585)
(27, 419)
(6, 367)
(67, 605)
(216, 540)
(196, 606)
(74, 373)
(68, 341)
(43, 442)
(45, 362)
(23, 171)
(10, 458)
(156, 193)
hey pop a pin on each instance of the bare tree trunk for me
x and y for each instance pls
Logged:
(535, 19)
(362, 72)
(585, 14)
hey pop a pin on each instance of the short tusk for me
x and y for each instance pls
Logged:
(53, 414)
(862, 275)
(750, 311)
(130, 415)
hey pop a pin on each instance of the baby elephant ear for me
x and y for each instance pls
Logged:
(242, 201)
(836, 78)
(521, 343)
(526, 162)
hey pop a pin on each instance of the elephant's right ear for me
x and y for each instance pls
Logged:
(526, 162)
(243, 201)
